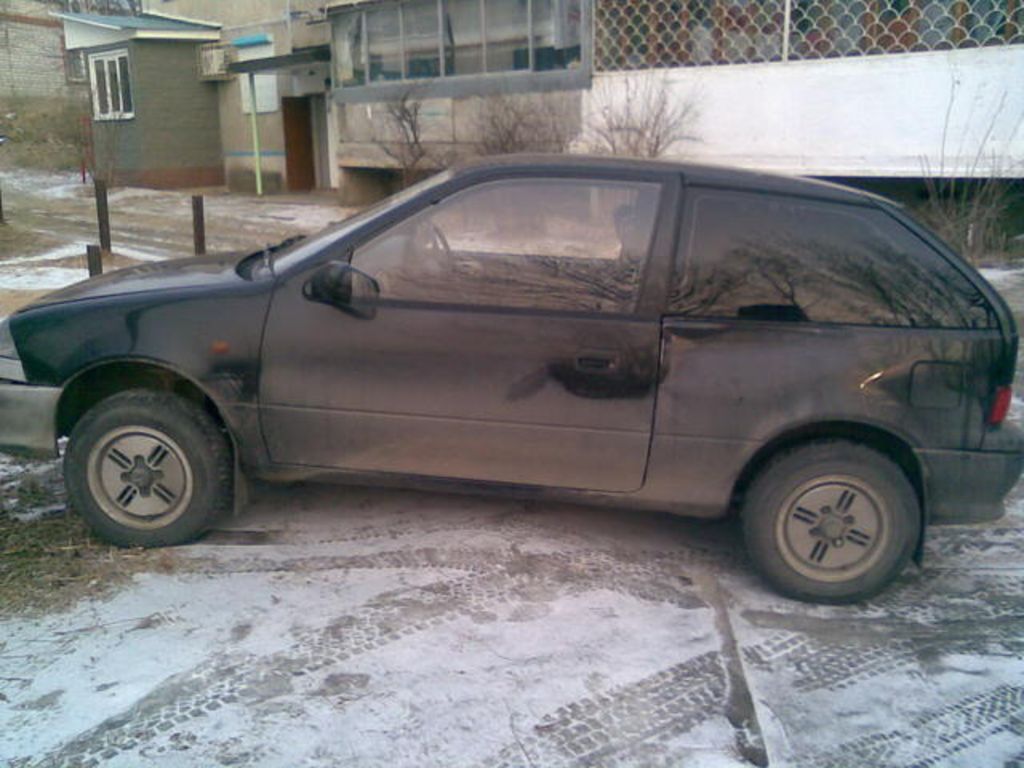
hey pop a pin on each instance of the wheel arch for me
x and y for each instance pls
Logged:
(97, 382)
(886, 442)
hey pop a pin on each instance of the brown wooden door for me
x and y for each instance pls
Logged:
(298, 144)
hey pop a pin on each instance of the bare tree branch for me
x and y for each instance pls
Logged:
(508, 123)
(640, 117)
(404, 140)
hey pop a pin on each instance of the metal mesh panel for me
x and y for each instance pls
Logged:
(640, 34)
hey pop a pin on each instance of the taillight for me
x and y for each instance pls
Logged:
(1000, 405)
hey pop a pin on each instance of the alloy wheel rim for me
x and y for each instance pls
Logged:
(140, 477)
(832, 529)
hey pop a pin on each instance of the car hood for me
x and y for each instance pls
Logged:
(210, 271)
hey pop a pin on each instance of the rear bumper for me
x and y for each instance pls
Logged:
(969, 486)
(28, 419)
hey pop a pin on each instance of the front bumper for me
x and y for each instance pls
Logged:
(28, 419)
(969, 486)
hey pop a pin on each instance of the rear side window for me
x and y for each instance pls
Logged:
(776, 258)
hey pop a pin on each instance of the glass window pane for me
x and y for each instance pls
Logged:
(100, 74)
(350, 68)
(463, 43)
(554, 244)
(764, 258)
(126, 86)
(115, 88)
(506, 32)
(385, 45)
(556, 34)
(422, 46)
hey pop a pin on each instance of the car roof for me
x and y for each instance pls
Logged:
(694, 174)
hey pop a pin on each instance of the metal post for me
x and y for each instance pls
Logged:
(483, 37)
(94, 258)
(2, 206)
(786, 22)
(440, 39)
(254, 127)
(198, 225)
(531, 56)
(102, 213)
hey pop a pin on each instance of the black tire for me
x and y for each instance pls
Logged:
(831, 522)
(148, 468)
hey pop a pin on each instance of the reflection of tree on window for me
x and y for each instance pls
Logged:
(764, 259)
(539, 243)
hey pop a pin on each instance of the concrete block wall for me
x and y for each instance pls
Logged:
(31, 50)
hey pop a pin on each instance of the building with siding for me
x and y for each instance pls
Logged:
(154, 121)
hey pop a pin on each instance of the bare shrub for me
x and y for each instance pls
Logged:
(511, 123)
(403, 138)
(639, 117)
(966, 203)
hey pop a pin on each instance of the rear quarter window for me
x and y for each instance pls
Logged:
(764, 257)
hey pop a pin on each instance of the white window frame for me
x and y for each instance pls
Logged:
(108, 58)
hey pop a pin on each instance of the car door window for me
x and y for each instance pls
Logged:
(763, 257)
(557, 244)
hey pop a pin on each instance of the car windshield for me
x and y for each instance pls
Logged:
(287, 258)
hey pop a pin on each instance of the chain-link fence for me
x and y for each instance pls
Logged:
(640, 34)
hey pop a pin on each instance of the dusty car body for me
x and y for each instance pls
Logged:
(635, 333)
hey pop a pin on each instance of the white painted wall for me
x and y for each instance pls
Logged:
(871, 116)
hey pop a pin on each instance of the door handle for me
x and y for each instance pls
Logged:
(597, 362)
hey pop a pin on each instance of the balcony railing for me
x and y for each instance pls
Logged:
(642, 34)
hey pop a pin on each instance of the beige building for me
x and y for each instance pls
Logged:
(279, 52)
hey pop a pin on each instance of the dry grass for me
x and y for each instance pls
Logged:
(42, 133)
(52, 562)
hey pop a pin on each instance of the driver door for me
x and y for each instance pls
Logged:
(506, 344)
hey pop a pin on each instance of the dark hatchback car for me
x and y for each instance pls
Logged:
(644, 334)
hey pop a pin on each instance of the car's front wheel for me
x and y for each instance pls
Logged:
(831, 521)
(148, 468)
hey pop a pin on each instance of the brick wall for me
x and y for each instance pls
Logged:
(31, 50)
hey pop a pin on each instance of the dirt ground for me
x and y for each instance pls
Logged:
(51, 217)
(329, 626)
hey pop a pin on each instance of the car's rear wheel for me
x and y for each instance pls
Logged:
(148, 468)
(831, 522)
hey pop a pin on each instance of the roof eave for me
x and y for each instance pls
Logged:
(153, 34)
(185, 19)
(88, 22)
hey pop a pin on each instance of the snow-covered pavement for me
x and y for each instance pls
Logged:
(331, 626)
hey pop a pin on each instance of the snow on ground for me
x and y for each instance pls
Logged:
(54, 214)
(330, 626)
(1000, 276)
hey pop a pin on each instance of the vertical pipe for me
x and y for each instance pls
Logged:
(440, 38)
(786, 22)
(255, 129)
(401, 41)
(94, 260)
(102, 214)
(530, 53)
(483, 34)
(366, 48)
(198, 225)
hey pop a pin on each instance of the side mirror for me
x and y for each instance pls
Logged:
(343, 286)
